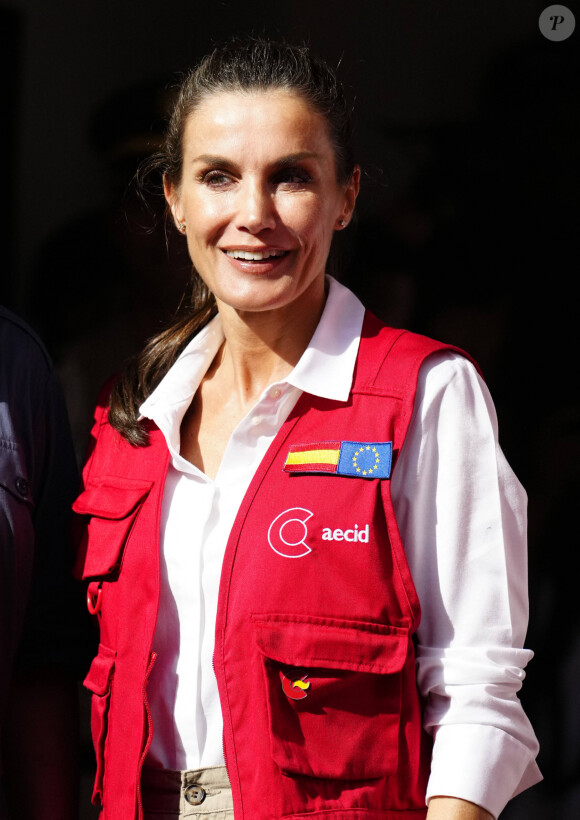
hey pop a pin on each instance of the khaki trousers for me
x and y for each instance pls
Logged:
(200, 793)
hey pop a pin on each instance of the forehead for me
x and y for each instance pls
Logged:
(263, 122)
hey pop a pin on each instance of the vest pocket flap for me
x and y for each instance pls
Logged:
(332, 643)
(113, 500)
(99, 675)
(333, 694)
(112, 508)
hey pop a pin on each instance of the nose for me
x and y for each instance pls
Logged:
(255, 208)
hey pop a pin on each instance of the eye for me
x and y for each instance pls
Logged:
(293, 177)
(215, 178)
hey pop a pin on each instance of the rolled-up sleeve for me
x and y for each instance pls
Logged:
(462, 516)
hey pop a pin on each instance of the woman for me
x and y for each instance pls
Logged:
(255, 447)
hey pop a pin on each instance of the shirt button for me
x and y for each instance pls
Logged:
(275, 393)
(194, 795)
(22, 486)
(256, 420)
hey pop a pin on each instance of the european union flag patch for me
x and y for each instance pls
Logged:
(365, 459)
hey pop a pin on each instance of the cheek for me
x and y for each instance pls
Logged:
(206, 215)
(321, 231)
(312, 222)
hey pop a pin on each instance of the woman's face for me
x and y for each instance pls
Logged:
(260, 198)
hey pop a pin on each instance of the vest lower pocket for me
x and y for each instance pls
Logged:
(333, 691)
(99, 682)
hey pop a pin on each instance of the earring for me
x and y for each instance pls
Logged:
(341, 223)
(182, 226)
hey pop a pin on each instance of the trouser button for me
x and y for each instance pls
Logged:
(194, 795)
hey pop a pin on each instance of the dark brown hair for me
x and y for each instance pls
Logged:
(247, 64)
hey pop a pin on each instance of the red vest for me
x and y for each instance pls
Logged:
(317, 610)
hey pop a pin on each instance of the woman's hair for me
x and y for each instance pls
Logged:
(238, 65)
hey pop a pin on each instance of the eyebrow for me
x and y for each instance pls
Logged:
(292, 159)
(210, 159)
(283, 162)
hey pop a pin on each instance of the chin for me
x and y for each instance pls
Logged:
(265, 293)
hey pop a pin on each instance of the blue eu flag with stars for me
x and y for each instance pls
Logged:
(365, 459)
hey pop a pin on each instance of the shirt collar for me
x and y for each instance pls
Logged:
(167, 404)
(325, 368)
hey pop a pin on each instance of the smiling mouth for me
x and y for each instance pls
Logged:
(255, 256)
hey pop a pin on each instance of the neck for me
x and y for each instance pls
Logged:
(263, 347)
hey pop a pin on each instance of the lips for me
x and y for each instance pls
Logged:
(255, 255)
(262, 261)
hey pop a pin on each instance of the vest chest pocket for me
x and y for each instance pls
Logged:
(333, 691)
(111, 508)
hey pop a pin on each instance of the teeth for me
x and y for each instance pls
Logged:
(254, 256)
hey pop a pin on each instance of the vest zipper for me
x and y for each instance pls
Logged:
(152, 660)
(223, 737)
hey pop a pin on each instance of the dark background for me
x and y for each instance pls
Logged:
(468, 133)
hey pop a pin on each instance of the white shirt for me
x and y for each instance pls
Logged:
(461, 513)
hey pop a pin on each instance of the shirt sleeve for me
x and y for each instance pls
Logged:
(462, 517)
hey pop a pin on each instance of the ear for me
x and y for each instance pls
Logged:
(350, 194)
(174, 202)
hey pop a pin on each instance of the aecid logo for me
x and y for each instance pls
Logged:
(288, 532)
(347, 535)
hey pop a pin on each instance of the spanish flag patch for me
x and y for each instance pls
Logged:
(363, 459)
